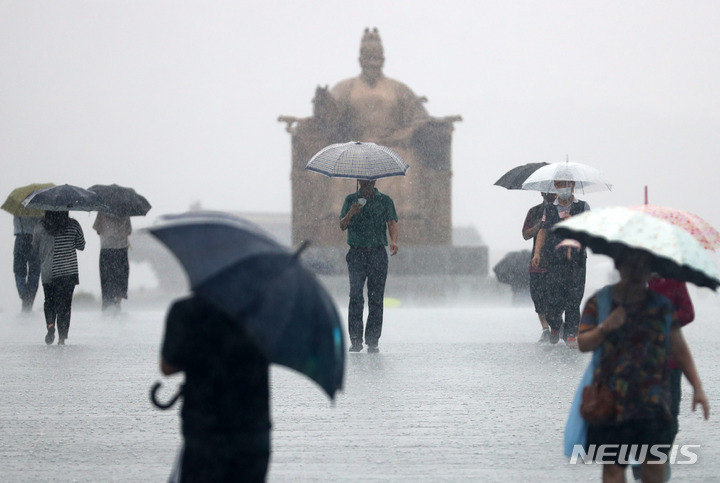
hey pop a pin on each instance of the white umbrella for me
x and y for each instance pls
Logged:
(586, 178)
(674, 252)
(357, 160)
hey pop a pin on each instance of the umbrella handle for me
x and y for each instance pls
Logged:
(301, 248)
(167, 405)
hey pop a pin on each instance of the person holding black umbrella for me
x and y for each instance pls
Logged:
(538, 275)
(366, 215)
(57, 237)
(114, 265)
(226, 409)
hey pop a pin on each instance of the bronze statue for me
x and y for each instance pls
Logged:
(374, 108)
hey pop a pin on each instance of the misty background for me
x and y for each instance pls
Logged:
(180, 99)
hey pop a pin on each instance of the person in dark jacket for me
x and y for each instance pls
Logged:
(538, 275)
(26, 262)
(225, 412)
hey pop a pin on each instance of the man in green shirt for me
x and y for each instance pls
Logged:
(365, 215)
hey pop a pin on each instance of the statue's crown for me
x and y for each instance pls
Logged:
(370, 37)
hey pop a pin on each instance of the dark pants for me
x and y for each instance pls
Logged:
(58, 300)
(369, 264)
(538, 291)
(566, 287)
(205, 462)
(26, 267)
(114, 274)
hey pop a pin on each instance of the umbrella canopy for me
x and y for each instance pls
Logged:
(13, 203)
(675, 253)
(121, 201)
(586, 178)
(64, 198)
(512, 269)
(242, 271)
(700, 229)
(357, 160)
(514, 179)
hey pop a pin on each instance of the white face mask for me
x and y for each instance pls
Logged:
(564, 193)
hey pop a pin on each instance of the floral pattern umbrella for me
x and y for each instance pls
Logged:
(700, 229)
(675, 253)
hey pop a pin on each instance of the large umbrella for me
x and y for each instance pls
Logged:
(241, 270)
(586, 178)
(13, 203)
(122, 201)
(64, 198)
(674, 252)
(357, 160)
(514, 179)
(703, 231)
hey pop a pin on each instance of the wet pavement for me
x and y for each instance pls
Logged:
(456, 394)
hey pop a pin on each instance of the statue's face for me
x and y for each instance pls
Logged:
(372, 60)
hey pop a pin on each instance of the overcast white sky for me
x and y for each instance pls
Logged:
(179, 99)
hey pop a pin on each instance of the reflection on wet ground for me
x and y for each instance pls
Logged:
(456, 394)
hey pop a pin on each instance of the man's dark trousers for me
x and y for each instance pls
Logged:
(369, 264)
(26, 266)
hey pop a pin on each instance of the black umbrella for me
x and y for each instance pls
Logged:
(514, 179)
(513, 269)
(64, 198)
(121, 201)
(242, 271)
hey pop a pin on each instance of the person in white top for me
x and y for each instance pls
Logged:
(114, 266)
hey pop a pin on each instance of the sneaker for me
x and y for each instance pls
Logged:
(571, 342)
(61, 341)
(545, 337)
(355, 348)
(50, 336)
(554, 336)
(373, 349)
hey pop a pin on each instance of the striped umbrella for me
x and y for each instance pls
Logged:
(357, 160)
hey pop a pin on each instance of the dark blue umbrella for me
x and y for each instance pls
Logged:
(64, 198)
(241, 270)
(514, 179)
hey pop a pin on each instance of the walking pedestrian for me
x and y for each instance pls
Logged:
(368, 215)
(226, 410)
(538, 275)
(114, 265)
(639, 330)
(26, 261)
(566, 265)
(677, 293)
(57, 237)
